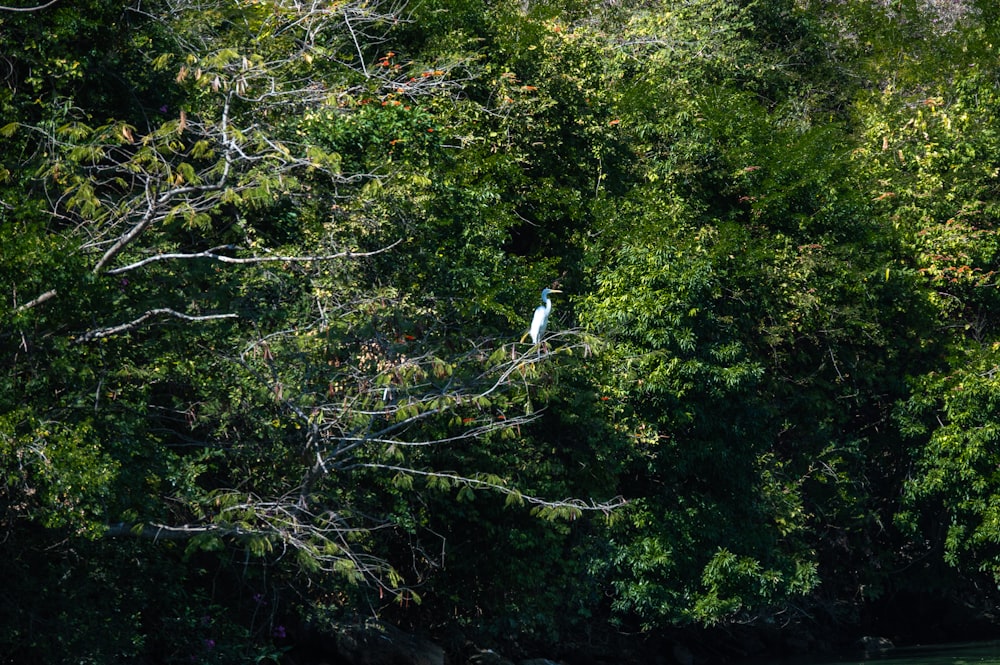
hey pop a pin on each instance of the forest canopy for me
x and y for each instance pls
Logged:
(268, 266)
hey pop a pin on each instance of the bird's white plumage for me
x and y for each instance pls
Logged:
(541, 317)
(539, 321)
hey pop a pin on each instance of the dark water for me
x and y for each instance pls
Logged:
(977, 653)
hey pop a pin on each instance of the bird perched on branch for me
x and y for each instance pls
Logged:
(541, 317)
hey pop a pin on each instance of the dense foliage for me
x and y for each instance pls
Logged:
(267, 266)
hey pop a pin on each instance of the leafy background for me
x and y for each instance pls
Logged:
(266, 269)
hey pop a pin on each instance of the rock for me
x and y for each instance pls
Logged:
(871, 645)
(488, 657)
(377, 643)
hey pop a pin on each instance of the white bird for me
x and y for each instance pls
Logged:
(541, 317)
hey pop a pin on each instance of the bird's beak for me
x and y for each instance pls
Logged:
(554, 291)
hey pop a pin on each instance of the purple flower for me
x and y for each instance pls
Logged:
(164, 109)
(209, 644)
(279, 632)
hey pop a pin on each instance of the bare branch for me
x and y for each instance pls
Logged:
(28, 9)
(350, 431)
(210, 254)
(48, 295)
(478, 482)
(354, 38)
(166, 532)
(131, 325)
(147, 218)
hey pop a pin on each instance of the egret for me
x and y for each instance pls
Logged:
(541, 317)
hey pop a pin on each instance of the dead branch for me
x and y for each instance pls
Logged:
(210, 254)
(166, 532)
(481, 483)
(28, 9)
(48, 295)
(131, 325)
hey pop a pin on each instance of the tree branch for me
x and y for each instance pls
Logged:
(164, 532)
(148, 217)
(114, 330)
(48, 295)
(210, 254)
(474, 482)
(28, 9)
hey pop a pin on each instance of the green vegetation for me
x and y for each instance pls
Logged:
(266, 265)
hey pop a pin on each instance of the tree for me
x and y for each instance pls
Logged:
(265, 281)
(927, 139)
(218, 354)
(756, 323)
